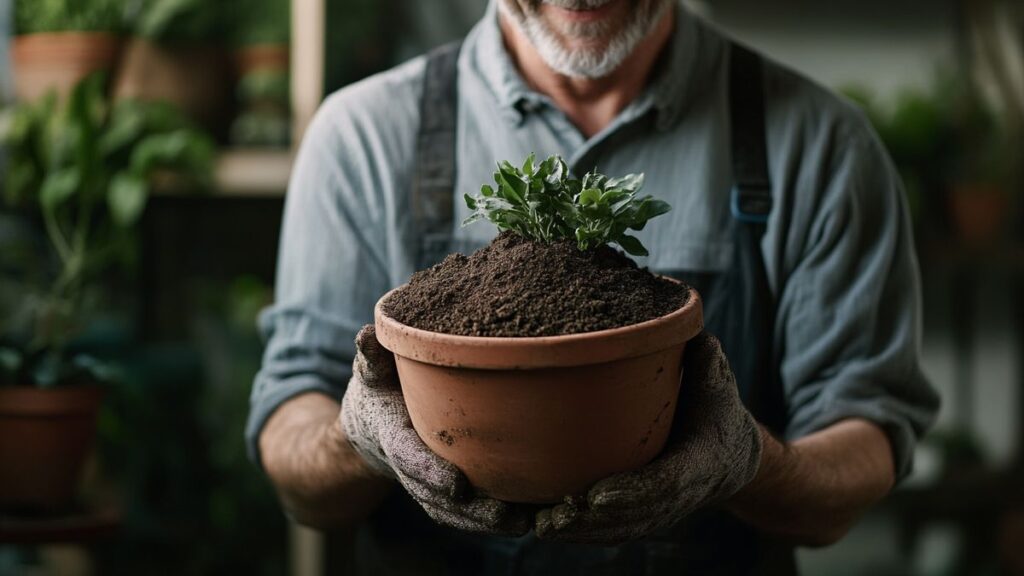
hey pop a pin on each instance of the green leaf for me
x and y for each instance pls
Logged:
(556, 172)
(614, 196)
(594, 180)
(127, 198)
(473, 218)
(58, 187)
(487, 191)
(127, 124)
(629, 183)
(528, 165)
(647, 209)
(631, 245)
(470, 202)
(510, 186)
(159, 150)
(589, 196)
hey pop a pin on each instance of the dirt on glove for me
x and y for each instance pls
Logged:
(516, 287)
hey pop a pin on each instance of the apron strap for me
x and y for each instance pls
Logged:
(752, 192)
(434, 176)
(751, 319)
(751, 204)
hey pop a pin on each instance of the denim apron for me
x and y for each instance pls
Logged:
(738, 308)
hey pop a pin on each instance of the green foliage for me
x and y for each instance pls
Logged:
(34, 16)
(545, 203)
(941, 135)
(49, 368)
(85, 167)
(262, 22)
(177, 20)
(264, 85)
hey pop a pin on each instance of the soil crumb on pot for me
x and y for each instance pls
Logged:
(517, 288)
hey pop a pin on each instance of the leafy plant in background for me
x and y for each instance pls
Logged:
(545, 203)
(85, 167)
(177, 20)
(36, 16)
(262, 22)
(918, 133)
(941, 136)
(264, 119)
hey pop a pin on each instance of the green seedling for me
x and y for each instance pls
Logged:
(545, 203)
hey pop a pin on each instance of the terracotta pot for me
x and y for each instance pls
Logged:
(58, 60)
(261, 57)
(979, 212)
(45, 437)
(536, 419)
(194, 78)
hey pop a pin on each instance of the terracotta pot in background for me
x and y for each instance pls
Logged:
(45, 437)
(58, 60)
(979, 212)
(194, 78)
(536, 419)
(261, 57)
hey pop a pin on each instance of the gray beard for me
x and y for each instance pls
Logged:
(586, 62)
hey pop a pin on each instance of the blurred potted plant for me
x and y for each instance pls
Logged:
(261, 63)
(917, 132)
(59, 42)
(82, 167)
(979, 196)
(176, 54)
(990, 118)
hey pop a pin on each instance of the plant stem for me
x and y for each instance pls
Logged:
(57, 238)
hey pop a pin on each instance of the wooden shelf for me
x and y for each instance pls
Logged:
(242, 173)
(252, 172)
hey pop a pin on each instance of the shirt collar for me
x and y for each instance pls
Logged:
(668, 92)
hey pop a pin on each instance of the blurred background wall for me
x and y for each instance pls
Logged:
(169, 489)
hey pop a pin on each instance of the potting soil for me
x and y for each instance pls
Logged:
(516, 287)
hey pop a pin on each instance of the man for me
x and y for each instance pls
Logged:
(788, 217)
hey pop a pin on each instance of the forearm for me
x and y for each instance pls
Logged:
(321, 480)
(811, 491)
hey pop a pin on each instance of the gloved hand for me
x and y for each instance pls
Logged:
(713, 451)
(377, 424)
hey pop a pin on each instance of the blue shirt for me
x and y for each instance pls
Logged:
(838, 249)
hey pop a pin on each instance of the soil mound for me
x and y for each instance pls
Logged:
(517, 287)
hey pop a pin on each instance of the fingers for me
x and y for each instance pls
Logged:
(480, 514)
(703, 351)
(443, 490)
(551, 521)
(575, 520)
(428, 474)
(707, 377)
(359, 435)
(374, 364)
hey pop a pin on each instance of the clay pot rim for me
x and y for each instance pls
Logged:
(48, 38)
(535, 352)
(70, 399)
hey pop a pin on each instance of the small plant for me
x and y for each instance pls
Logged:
(84, 167)
(545, 203)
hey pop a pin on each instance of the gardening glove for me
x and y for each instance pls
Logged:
(377, 424)
(713, 451)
